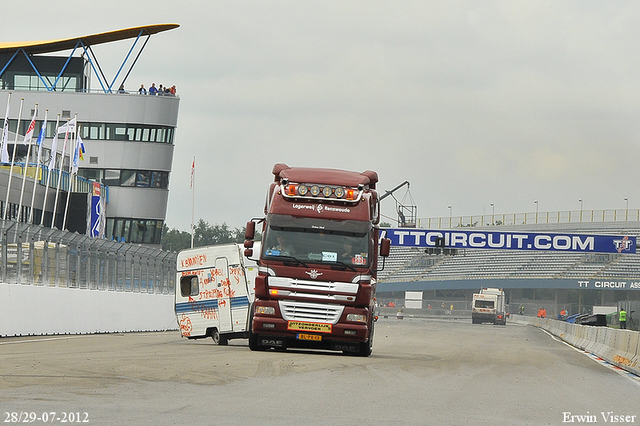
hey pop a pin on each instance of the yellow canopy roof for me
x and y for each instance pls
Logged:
(70, 43)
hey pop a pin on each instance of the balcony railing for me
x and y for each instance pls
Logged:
(559, 217)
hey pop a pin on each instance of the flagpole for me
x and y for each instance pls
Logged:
(40, 142)
(74, 143)
(27, 140)
(193, 198)
(4, 154)
(49, 168)
(13, 159)
(64, 149)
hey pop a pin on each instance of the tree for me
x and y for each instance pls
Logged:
(204, 235)
(175, 240)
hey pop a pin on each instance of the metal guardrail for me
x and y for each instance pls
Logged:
(35, 255)
(559, 217)
(40, 171)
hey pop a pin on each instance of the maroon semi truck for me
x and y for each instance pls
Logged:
(318, 261)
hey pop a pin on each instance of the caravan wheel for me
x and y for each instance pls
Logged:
(217, 338)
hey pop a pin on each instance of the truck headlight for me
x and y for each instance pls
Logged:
(265, 310)
(356, 317)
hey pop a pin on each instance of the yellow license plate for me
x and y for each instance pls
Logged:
(315, 337)
(309, 326)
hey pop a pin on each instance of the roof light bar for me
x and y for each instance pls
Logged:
(312, 191)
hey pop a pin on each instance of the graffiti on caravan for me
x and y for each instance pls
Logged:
(511, 240)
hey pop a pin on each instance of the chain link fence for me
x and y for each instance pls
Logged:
(34, 255)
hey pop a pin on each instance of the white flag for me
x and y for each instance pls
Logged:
(5, 134)
(4, 152)
(68, 127)
(54, 146)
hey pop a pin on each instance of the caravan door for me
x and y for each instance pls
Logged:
(223, 288)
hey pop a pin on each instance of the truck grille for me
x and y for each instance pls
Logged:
(315, 312)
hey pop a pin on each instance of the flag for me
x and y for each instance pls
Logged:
(77, 155)
(4, 152)
(68, 127)
(81, 150)
(193, 171)
(43, 130)
(54, 146)
(32, 125)
(40, 139)
(4, 157)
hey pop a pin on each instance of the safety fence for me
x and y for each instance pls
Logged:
(35, 255)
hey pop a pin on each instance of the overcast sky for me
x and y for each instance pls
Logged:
(473, 103)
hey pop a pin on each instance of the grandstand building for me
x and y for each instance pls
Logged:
(572, 281)
(128, 136)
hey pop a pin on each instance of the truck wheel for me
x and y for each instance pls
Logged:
(367, 347)
(217, 338)
(253, 338)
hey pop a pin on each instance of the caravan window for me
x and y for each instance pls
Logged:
(189, 286)
(488, 304)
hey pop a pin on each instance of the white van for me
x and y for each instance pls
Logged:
(214, 292)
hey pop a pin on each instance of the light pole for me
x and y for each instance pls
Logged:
(536, 203)
(626, 211)
(450, 210)
(580, 209)
(493, 212)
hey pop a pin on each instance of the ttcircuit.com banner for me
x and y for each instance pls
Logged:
(511, 240)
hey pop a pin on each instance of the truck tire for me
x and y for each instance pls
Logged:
(253, 338)
(367, 347)
(217, 338)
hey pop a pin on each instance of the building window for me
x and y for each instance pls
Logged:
(129, 132)
(160, 180)
(111, 177)
(127, 178)
(137, 178)
(143, 180)
(135, 230)
(92, 174)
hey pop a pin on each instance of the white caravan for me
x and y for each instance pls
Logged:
(214, 291)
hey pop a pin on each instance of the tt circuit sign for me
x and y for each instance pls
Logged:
(511, 240)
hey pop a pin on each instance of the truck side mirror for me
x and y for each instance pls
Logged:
(250, 231)
(249, 235)
(385, 247)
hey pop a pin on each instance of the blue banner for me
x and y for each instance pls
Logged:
(511, 240)
(97, 214)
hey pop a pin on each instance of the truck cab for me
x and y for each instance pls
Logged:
(318, 261)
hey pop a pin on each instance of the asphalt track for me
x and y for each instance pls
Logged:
(422, 372)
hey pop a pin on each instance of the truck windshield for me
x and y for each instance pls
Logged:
(317, 241)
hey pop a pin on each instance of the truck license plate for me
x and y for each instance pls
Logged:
(314, 337)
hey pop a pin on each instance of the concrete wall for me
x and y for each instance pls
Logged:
(38, 310)
(618, 347)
